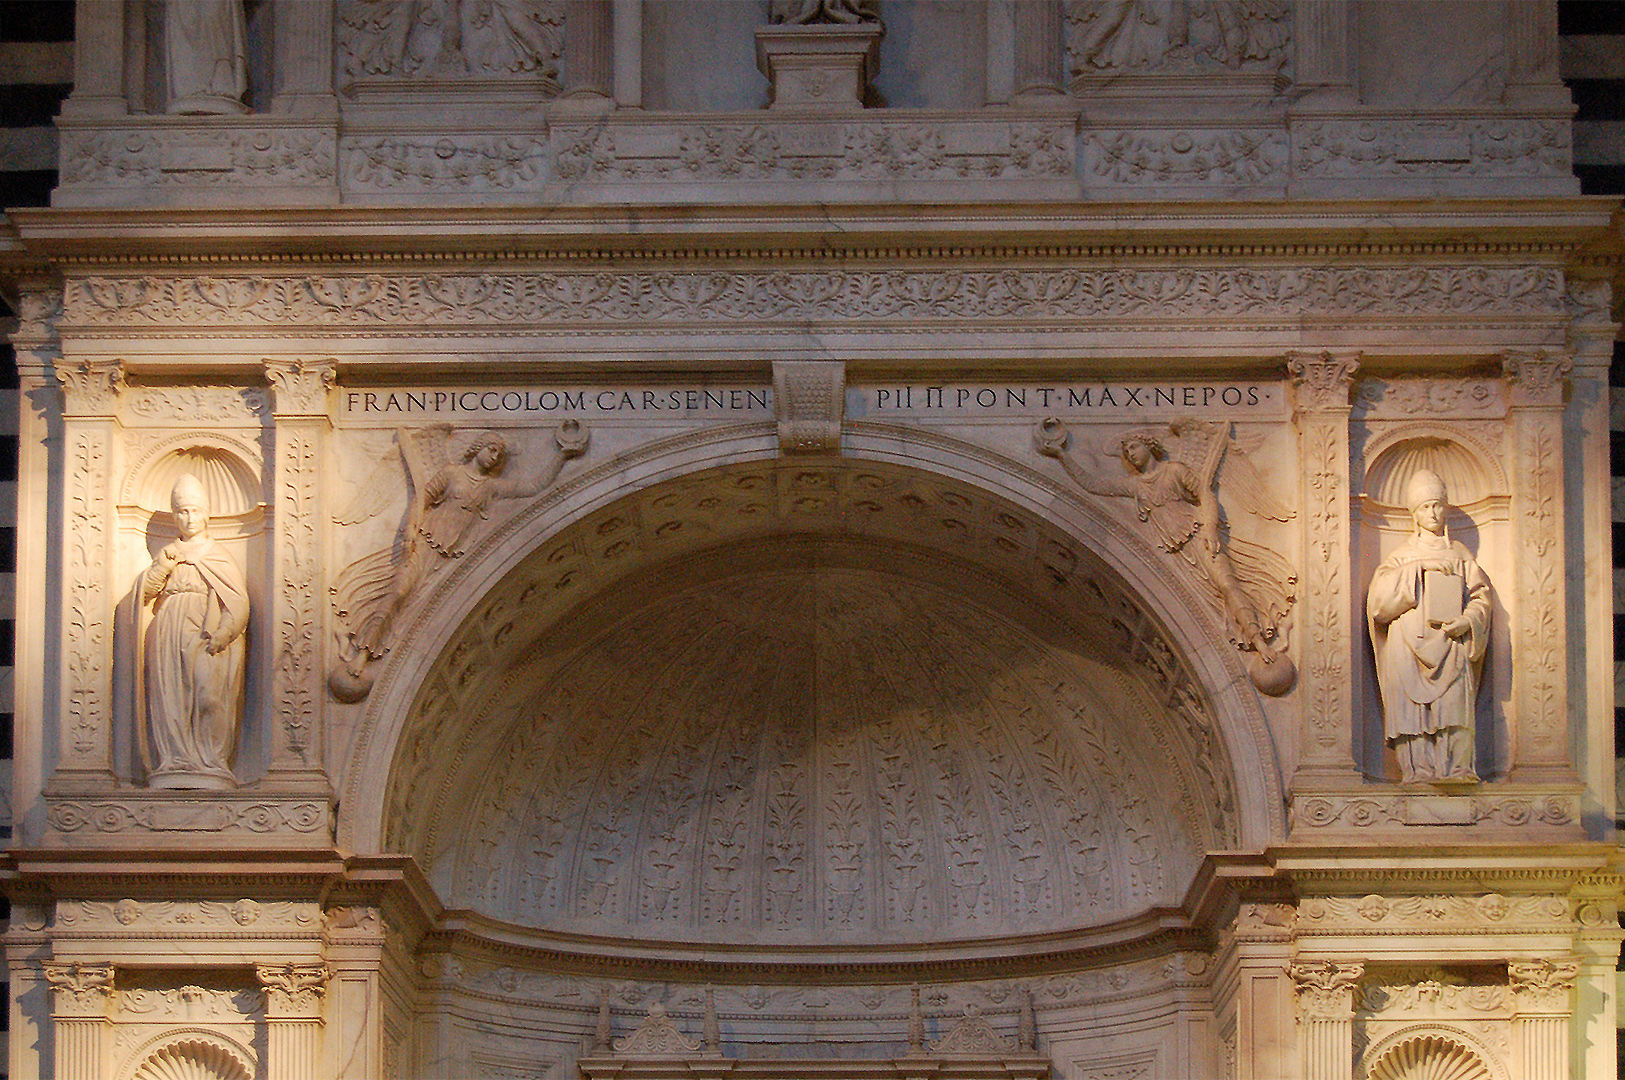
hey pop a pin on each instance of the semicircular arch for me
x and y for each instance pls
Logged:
(962, 498)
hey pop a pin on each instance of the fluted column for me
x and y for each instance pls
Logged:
(1535, 385)
(80, 995)
(1543, 1003)
(589, 49)
(627, 28)
(1326, 1017)
(1327, 600)
(1037, 34)
(90, 396)
(293, 1019)
(300, 390)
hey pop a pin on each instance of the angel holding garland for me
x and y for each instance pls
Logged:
(1179, 502)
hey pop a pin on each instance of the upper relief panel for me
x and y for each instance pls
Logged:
(712, 101)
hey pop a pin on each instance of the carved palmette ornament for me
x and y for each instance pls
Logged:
(1430, 1057)
(973, 1035)
(657, 1036)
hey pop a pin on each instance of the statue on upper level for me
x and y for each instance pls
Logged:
(1179, 502)
(1429, 612)
(811, 12)
(193, 668)
(206, 56)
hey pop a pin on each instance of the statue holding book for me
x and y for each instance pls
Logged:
(1429, 614)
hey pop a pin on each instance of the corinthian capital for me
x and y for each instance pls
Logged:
(1536, 377)
(81, 990)
(301, 386)
(1326, 987)
(1322, 379)
(90, 387)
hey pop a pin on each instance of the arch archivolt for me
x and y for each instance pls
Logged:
(1080, 577)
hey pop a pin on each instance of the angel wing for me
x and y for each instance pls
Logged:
(1265, 576)
(361, 597)
(424, 451)
(376, 492)
(1245, 486)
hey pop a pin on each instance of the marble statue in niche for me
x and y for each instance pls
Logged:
(1429, 612)
(193, 652)
(449, 498)
(206, 56)
(1179, 502)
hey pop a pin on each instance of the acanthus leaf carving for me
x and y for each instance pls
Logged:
(79, 990)
(90, 387)
(1326, 987)
(293, 990)
(1537, 377)
(798, 296)
(1543, 982)
(300, 386)
(1322, 379)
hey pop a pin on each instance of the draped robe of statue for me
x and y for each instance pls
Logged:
(194, 696)
(1429, 680)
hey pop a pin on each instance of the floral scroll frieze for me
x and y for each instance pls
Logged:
(802, 296)
(254, 156)
(1227, 156)
(258, 818)
(1470, 146)
(1359, 812)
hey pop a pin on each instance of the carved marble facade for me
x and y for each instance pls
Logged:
(829, 546)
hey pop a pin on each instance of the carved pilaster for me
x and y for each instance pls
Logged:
(1326, 677)
(303, 39)
(90, 394)
(293, 1017)
(810, 399)
(1326, 1016)
(589, 49)
(1037, 35)
(80, 996)
(300, 390)
(1536, 382)
(1543, 997)
(1321, 32)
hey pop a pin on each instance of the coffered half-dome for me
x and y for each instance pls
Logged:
(808, 741)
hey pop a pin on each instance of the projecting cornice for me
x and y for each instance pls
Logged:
(1543, 230)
